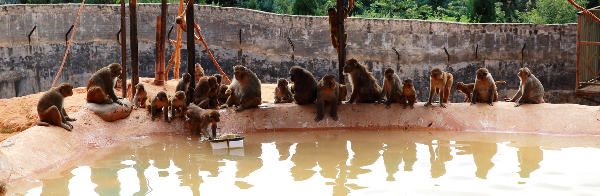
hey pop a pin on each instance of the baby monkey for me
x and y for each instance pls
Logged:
(159, 103)
(392, 88)
(409, 95)
(282, 92)
(178, 103)
(327, 91)
(140, 97)
(467, 89)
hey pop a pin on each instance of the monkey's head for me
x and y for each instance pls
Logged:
(186, 77)
(295, 72)
(436, 73)
(524, 73)
(3, 188)
(329, 80)
(388, 73)
(162, 96)
(459, 86)
(180, 95)
(115, 70)
(239, 72)
(179, 20)
(66, 89)
(199, 70)
(482, 73)
(408, 83)
(282, 83)
(350, 65)
(212, 82)
(331, 11)
(223, 89)
(214, 116)
(219, 78)
(140, 87)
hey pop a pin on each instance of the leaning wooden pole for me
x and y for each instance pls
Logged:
(123, 51)
(341, 41)
(191, 50)
(134, 45)
(210, 54)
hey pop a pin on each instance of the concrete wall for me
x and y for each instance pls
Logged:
(258, 40)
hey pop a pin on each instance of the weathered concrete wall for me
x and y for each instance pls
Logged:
(259, 41)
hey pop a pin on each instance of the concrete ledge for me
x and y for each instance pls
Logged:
(40, 149)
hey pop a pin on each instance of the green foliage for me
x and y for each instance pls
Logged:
(283, 6)
(304, 7)
(399, 9)
(483, 11)
(551, 12)
(252, 4)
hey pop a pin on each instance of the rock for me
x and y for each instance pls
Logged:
(7, 144)
(110, 112)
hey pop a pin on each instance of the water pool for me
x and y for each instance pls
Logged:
(337, 162)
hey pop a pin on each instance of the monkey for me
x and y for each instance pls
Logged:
(199, 72)
(51, 108)
(223, 93)
(199, 119)
(177, 102)
(467, 89)
(409, 94)
(3, 188)
(305, 85)
(158, 103)
(282, 92)
(365, 87)
(140, 97)
(392, 88)
(327, 91)
(118, 84)
(213, 94)
(440, 83)
(181, 21)
(485, 88)
(201, 94)
(245, 89)
(343, 93)
(100, 86)
(530, 90)
(333, 25)
(184, 83)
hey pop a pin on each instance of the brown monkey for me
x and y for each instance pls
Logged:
(333, 25)
(199, 72)
(204, 86)
(178, 103)
(392, 88)
(485, 88)
(530, 90)
(245, 89)
(118, 84)
(467, 89)
(100, 86)
(51, 108)
(440, 83)
(184, 83)
(160, 103)
(409, 94)
(140, 97)
(223, 96)
(282, 92)
(343, 93)
(365, 87)
(3, 188)
(327, 91)
(305, 85)
(213, 94)
(200, 119)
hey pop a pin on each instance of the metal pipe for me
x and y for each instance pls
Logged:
(66, 35)
(134, 45)
(191, 50)
(29, 36)
(123, 52)
(341, 41)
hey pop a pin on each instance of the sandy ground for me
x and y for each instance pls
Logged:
(20, 113)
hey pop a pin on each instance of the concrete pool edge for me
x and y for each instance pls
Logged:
(40, 149)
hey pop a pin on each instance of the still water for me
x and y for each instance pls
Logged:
(390, 162)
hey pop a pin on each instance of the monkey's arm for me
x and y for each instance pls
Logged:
(354, 96)
(431, 92)
(491, 95)
(442, 93)
(524, 94)
(291, 99)
(320, 104)
(334, 103)
(517, 95)
(277, 100)
(113, 96)
(135, 101)
(474, 96)
(153, 109)
(166, 111)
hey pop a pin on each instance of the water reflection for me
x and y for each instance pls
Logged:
(336, 163)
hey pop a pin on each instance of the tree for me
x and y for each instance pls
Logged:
(552, 12)
(484, 11)
(304, 7)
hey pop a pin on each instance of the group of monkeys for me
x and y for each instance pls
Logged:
(209, 94)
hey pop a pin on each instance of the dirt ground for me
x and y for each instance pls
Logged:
(20, 113)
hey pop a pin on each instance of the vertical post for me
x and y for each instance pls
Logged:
(578, 46)
(341, 41)
(124, 52)
(191, 49)
(159, 64)
(134, 45)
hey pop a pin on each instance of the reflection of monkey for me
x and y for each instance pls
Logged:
(333, 25)
(282, 92)
(409, 96)
(203, 87)
(184, 82)
(160, 103)
(485, 88)
(440, 82)
(327, 91)
(245, 89)
(3, 188)
(392, 88)
(530, 90)
(365, 87)
(343, 93)
(178, 103)
(100, 86)
(467, 89)
(140, 97)
(201, 118)
(305, 85)
(199, 72)
(50, 107)
(529, 160)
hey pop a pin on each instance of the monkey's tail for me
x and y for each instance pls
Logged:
(497, 82)
(39, 123)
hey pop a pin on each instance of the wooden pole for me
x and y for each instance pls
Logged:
(159, 64)
(134, 45)
(123, 51)
(341, 41)
(191, 50)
